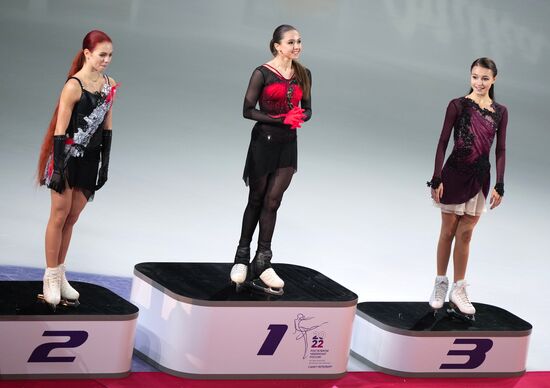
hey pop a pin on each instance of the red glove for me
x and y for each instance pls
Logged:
(294, 117)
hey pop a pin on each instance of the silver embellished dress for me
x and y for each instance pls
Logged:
(84, 139)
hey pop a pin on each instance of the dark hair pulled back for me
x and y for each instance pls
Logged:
(300, 71)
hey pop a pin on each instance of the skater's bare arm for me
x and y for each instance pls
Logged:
(69, 97)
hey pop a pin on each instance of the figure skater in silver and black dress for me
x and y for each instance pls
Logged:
(74, 159)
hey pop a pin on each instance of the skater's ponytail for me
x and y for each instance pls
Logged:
(91, 40)
(300, 71)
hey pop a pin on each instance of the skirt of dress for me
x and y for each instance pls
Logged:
(268, 152)
(475, 206)
(82, 172)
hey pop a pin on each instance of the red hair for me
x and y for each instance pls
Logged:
(91, 40)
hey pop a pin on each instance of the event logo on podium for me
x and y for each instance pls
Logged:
(314, 342)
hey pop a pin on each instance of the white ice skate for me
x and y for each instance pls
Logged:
(460, 305)
(69, 296)
(271, 279)
(51, 287)
(238, 273)
(264, 277)
(439, 293)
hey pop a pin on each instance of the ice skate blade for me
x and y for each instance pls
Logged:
(436, 310)
(233, 282)
(454, 312)
(63, 302)
(41, 298)
(258, 285)
(239, 287)
(69, 303)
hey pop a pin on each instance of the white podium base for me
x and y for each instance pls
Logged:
(406, 339)
(192, 323)
(92, 340)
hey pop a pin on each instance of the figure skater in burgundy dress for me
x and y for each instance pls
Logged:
(461, 186)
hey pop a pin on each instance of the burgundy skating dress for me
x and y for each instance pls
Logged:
(273, 144)
(466, 173)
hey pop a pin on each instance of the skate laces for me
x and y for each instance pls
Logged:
(460, 293)
(55, 281)
(53, 276)
(440, 290)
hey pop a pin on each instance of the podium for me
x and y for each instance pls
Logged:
(193, 323)
(92, 340)
(406, 339)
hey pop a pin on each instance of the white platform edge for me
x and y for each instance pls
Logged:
(419, 354)
(107, 352)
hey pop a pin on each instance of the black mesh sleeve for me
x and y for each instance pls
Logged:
(306, 102)
(255, 87)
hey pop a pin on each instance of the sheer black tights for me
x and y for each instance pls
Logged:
(264, 199)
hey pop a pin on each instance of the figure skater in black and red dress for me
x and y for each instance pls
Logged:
(461, 186)
(74, 158)
(282, 89)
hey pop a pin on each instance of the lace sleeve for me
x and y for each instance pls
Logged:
(448, 123)
(501, 145)
(255, 87)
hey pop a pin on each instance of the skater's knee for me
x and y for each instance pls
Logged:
(71, 219)
(447, 234)
(465, 236)
(255, 201)
(272, 203)
(58, 217)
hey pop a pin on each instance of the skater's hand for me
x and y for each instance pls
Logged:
(496, 199)
(295, 117)
(288, 120)
(57, 182)
(102, 177)
(437, 193)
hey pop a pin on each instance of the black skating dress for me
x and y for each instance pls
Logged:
(84, 137)
(273, 144)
